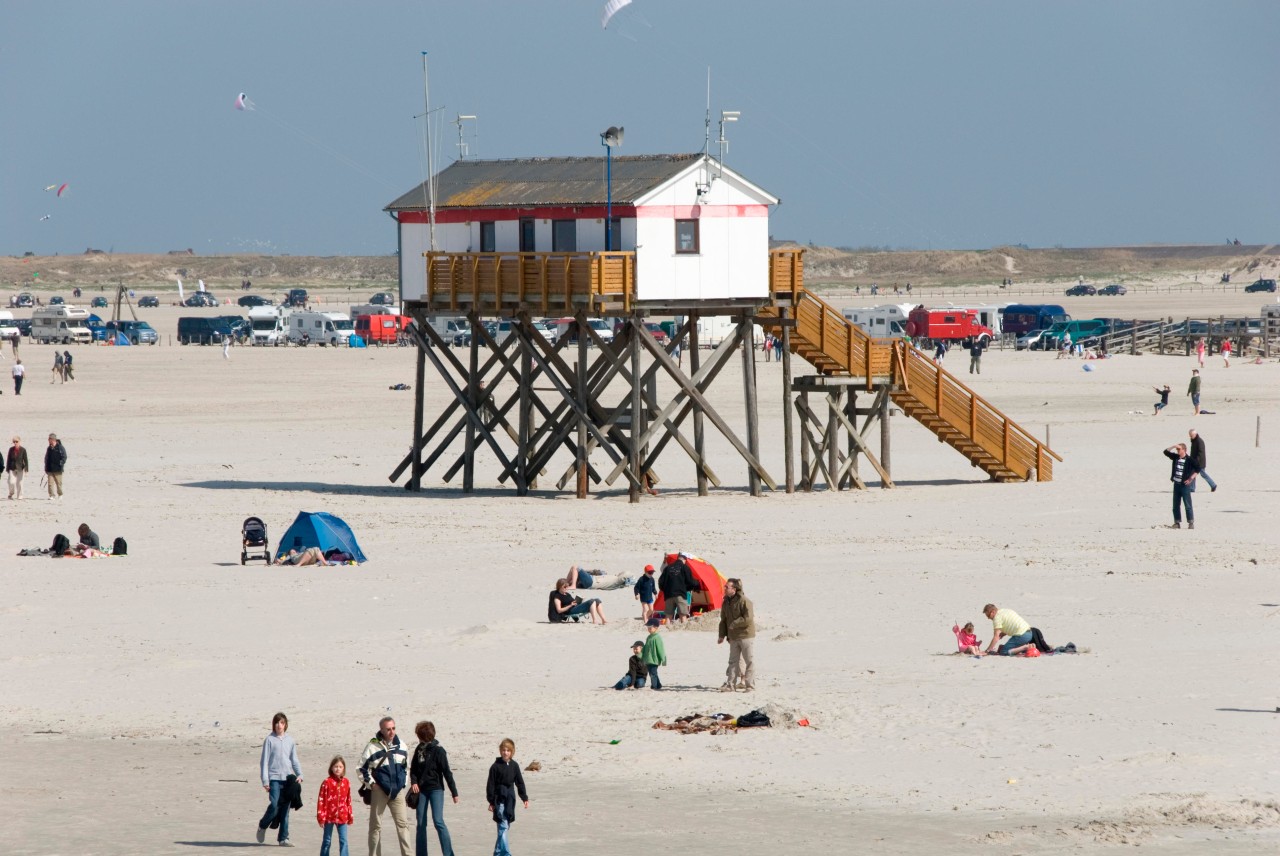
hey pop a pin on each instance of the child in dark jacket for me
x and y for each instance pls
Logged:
(504, 783)
(637, 671)
(646, 589)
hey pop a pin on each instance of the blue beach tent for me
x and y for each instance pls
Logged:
(318, 529)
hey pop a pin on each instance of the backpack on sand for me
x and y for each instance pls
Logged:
(61, 544)
(119, 547)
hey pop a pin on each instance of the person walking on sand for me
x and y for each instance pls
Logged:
(1164, 399)
(67, 373)
(505, 782)
(738, 625)
(279, 761)
(653, 652)
(333, 806)
(975, 355)
(1200, 346)
(1193, 390)
(19, 372)
(57, 368)
(16, 465)
(1226, 353)
(1199, 458)
(428, 774)
(226, 347)
(384, 769)
(55, 460)
(1183, 476)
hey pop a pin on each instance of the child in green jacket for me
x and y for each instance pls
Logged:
(654, 653)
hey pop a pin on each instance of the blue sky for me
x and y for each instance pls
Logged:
(902, 124)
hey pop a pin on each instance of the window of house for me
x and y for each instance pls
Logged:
(686, 236)
(564, 236)
(488, 237)
(527, 243)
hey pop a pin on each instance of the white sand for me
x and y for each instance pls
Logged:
(161, 671)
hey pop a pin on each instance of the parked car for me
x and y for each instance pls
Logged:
(1033, 341)
(655, 330)
(97, 328)
(383, 298)
(24, 299)
(24, 326)
(98, 302)
(149, 300)
(57, 300)
(296, 297)
(251, 300)
(201, 298)
(1261, 285)
(137, 332)
(1081, 291)
(1114, 288)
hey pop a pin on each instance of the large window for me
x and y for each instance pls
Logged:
(488, 237)
(527, 243)
(687, 236)
(564, 236)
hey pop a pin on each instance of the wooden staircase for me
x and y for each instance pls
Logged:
(932, 396)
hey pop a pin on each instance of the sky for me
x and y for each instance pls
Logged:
(925, 124)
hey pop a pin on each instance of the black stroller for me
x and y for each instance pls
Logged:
(254, 544)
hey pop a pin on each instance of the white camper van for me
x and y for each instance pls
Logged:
(61, 323)
(269, 325)
(9, 328)
(888, 321)
(325, 328)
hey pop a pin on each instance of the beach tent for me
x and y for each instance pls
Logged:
(122, 339)
(712, 594)
(318, 529)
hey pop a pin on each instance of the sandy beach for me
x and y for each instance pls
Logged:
(137, 690)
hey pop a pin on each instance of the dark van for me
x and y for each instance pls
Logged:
(203, 331)
(296, 297)
(1022, 318)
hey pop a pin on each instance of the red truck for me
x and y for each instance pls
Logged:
(947, 325)
(381, 329)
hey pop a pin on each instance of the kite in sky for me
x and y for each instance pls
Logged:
(243, 102)
(45, 217)
(60, 189)
(610, 9)
(51, 187)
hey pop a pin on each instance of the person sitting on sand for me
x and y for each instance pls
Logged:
(309, 556)
(1007, 624)
(562, 606)
(88, 537)
(966, 641)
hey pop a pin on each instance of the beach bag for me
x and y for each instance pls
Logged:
(410, 798)
(119, 547)
(61, 544)
(754, 719)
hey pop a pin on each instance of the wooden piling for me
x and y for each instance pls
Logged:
(788, 440)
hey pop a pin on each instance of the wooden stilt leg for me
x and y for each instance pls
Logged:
(473, 393)
(806, 479)
(833, 449)
(420, 380)
(884, 439)
(633, 326)
(749, 396)
(581, 377)
(699, 435)
(526, 406)
(788, 441)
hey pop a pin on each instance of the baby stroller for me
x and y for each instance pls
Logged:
(254, 541)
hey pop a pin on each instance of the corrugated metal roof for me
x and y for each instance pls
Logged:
(525, 182)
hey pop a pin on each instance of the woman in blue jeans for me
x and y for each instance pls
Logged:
(428, 774)
(279, 761)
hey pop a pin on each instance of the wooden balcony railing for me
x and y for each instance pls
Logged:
(554, 283)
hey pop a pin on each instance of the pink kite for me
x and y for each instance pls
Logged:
(243, 102)
(60, 189)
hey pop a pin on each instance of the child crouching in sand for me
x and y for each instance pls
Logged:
(966, 641)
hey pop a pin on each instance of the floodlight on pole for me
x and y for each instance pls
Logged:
(610, 138)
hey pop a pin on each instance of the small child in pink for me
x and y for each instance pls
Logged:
(966, 641)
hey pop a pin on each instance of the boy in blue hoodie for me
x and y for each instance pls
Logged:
(646, 589)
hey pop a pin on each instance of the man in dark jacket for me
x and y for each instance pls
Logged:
(1183, 476)
(55, 458)
(1199, 458)
(384, 769)
(738, 625)
(675, 584)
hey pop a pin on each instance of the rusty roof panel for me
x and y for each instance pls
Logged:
(526, 182)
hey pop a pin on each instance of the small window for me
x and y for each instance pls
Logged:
(687, 236)
(527, 244)
(488, 237)
(564, 236)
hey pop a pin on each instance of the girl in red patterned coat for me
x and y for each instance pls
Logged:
(333, 806)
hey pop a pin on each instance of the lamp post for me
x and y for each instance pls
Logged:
(609, 139)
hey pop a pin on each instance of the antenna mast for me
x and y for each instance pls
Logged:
(431, 173)
(462, 144)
